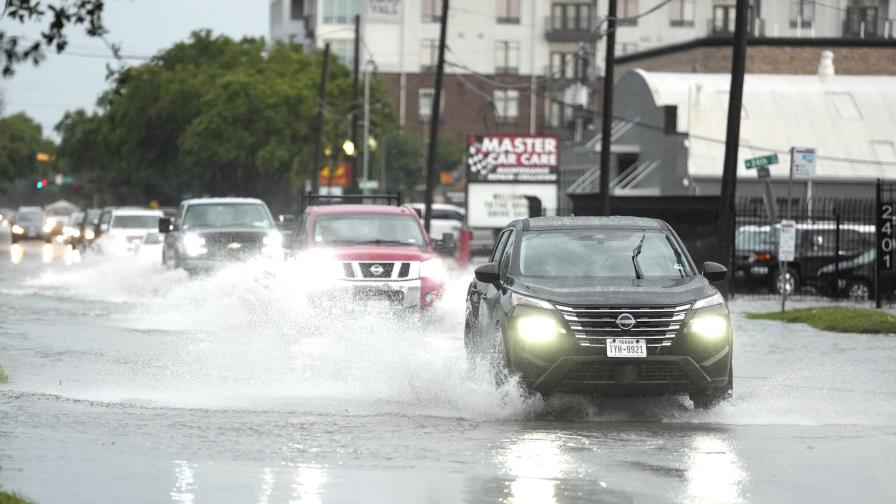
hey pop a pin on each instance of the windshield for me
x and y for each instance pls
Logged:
(227, 215)
(135, 221)
(602, 253)
(30, 217)
(355, 229)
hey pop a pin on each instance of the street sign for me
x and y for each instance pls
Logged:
(763, 172)
(787, 241)
(369, 185)
(802, 162)
(761, 161)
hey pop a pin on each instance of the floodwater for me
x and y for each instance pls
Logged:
(129, 383)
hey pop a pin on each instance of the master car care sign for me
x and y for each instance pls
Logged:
(504, 170)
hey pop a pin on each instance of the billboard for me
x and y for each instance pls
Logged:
(494, 205)
(513, 158)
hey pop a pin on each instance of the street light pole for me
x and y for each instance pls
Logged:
(434, 117)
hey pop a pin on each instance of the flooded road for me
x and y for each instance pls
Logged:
(129, 383)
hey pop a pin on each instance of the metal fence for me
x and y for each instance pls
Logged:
(834, 255)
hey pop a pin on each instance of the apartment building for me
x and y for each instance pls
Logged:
(535, 65)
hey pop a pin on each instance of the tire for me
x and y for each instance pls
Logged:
(497, 356)
(792, 278)
(858, 290)
(713, 397)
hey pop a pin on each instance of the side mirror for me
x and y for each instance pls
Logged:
(488, 273)
(714, 272)
(164, 224)
(447, 246)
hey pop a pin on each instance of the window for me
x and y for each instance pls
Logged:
(499, 246)
(507, 256)
(506, 105)
(425, 103)
(723, 17)
(297, 9)
(845, 105)
(681, 13)
(344, 50)
(574, 17)
(627, 9)
(559, 114)
(507, 57)
(432, 11)
(341, 11)
(802, 13)
(566, 65)
(861, 21)
(429, 54)
(507, 11)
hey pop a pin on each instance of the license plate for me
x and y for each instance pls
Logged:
(626, 348)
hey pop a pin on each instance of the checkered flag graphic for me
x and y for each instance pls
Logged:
(478, 160)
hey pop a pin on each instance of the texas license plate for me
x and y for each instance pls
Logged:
(626, 348)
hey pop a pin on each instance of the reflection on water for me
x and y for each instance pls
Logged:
(267, 485)
(16, 253)
(308, 485)
(184, 483)
(71, 255)
(47, 253)
(535, 461)
(714, 473)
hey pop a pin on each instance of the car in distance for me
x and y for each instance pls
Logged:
(374, 252)
(206, 233)
(126, 228)
(445, 218)
(605, 305)
(852, 278)
(28, 225)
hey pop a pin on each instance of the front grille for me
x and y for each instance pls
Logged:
(377, 270)
(658, 325)
(660, 372)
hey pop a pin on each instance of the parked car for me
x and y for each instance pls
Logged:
(374, 252)
(28, 224)
(126, 229)
(756, 253)
(853, 278)
(445, 218)
(606, 305)
(206, 233)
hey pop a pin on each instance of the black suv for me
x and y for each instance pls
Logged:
(606, 305)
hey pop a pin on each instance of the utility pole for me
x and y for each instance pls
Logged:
(354, 113)
(366, 146)
(319, 120)
(434, 125)
(607, 113)
(727, 216)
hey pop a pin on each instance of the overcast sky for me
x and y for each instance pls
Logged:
(143, 27)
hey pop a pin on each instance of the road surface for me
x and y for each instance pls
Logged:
(129, 383)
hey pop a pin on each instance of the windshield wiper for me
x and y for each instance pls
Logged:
(678, 257)
(386, 242)
(635, 253)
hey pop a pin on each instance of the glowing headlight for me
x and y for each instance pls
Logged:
(194, 244)
(433, 268)
(49, 225)
(71, 231)
(709, 326)
(17, 229)
(89, 234)
(273, 239)
(537, 328)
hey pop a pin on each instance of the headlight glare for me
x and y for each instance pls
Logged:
(89, 234)
(273, 239)
(433, 268)
(17, 229)
(536, 328)
(194, 244)
(709, 326)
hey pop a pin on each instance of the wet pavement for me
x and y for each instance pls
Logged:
(129, 383)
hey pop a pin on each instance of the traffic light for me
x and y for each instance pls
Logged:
(41, 183)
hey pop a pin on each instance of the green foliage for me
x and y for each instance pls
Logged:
(3, 377)
(12, 498)
(21, 139)
(842, 319)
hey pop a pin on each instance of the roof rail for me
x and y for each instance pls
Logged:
(341, 199)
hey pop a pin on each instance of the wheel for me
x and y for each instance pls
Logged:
(498, 356)
(713, 397)
(858, 290)
(788, 282)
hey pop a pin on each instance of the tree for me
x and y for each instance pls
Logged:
(21, 138)
(61, 15)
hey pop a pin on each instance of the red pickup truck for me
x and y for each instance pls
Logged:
(378, 252)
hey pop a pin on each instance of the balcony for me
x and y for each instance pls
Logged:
(866, 22)
(571, 29)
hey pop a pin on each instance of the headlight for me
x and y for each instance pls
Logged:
(89, 234)
(194, 244)
(519, 299)
(273, 239)
(17, 229)
(710, 318)
(538, 328)
(49, 225)
(433, 268)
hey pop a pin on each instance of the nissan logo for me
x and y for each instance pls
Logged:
(625, 321)
(376, 269)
